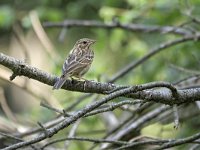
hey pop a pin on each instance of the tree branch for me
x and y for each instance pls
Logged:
(179, 141)
(85, 140)
(71, 119)
(170, 97)
(152, 53)
(129, 27)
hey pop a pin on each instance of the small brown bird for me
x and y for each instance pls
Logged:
(78, 62)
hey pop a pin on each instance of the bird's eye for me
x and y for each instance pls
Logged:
(84, 42)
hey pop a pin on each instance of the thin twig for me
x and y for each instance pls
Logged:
(112, 107)
(176, 117)
(142, 143)
(139, 123)
(185, 70)
(16, 138)
(85, 140)
(179, 142)
(72, 133)
(125, 123)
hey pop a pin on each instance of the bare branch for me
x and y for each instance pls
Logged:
(84, 140)
(15, 138)
(71, 119)
(176, 117)
(138, 123)
(179, 141)
(152, 52)
(158, 95)
(112, 107)
(72, 133)
(129, 27)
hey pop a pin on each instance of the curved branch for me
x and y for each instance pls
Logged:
(129, 27)
(85, 140)
(179, 141)
(152, 52)
(170, 96)
(20, 68)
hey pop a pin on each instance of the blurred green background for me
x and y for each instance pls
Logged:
(114, 49)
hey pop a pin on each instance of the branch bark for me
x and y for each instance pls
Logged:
(20, 68)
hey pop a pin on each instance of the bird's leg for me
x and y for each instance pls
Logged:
(84, 84)
(77, 78)
(81, 78)
(84, 80)
(72, 80)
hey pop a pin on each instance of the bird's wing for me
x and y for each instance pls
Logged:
(74, 62)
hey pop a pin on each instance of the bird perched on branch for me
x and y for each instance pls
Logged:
(78, 62)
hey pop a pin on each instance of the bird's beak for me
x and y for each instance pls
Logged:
(92, 41)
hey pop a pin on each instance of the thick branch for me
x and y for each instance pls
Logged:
(20, 68)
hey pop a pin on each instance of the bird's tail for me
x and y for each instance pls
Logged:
(59, 83)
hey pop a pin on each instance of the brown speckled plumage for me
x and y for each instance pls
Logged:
(78, 62)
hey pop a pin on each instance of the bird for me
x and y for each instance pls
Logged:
(78, 61)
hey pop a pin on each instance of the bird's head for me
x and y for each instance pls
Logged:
(84, 43)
